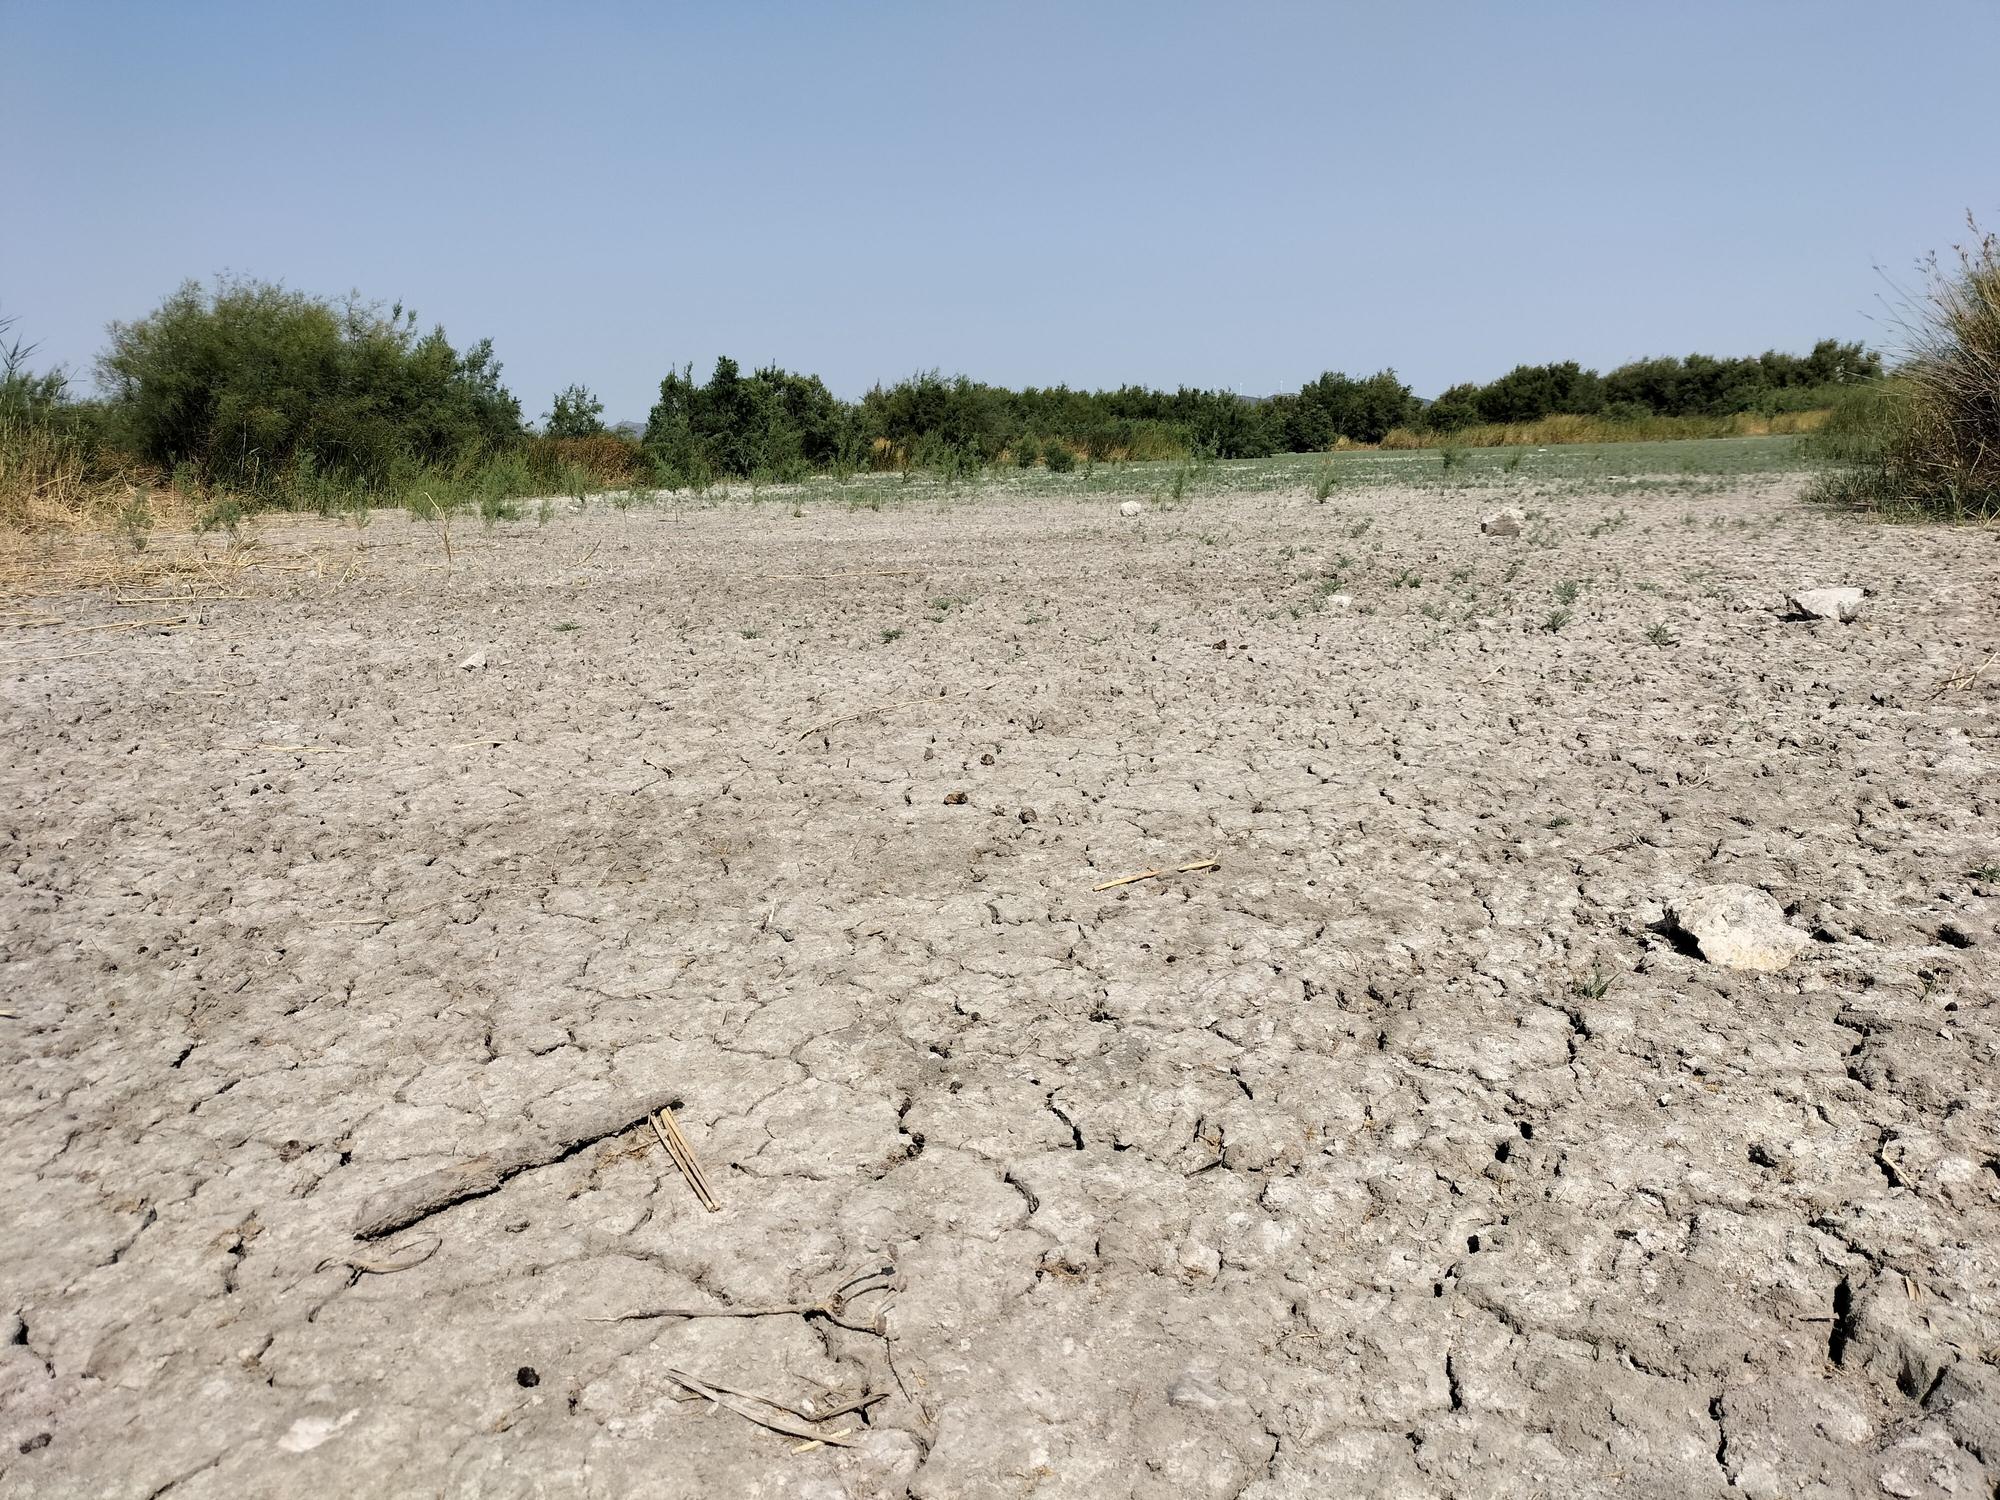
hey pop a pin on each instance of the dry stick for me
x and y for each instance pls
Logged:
(1200, 864)
(184, 599)
(832, 1307)
(828, 577)
(1962, 678)
(399, 1207)
(128, 625)
(669, 1131)
(391, 1266)
(832, 1437)
(807, 1410)
(863, 713)
(778, 1420)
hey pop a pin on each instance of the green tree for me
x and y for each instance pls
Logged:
(575, 413)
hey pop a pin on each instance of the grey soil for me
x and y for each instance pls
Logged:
(1400, 1155)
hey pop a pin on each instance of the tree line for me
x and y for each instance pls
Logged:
(253, 386)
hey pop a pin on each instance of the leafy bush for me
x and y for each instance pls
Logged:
(1927, 441)
(771, 423)
(244, 383)
(1058, 457)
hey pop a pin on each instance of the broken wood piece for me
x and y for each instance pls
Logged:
(399, 1207)
(668, 1129)
(1200, 864)
(822, 1442)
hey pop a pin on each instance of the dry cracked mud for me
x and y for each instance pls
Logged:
(1401, 1154)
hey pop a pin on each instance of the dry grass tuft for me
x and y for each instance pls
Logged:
(1564, 429)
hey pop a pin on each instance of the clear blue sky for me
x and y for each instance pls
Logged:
(1235, 194)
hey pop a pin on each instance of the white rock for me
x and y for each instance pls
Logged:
(307, 1433)
(1827, 604)
(473, 663)
(1131, 508)
(1738, 927)
(1197, 1390)
(1340, 601)
(1503, 522)
(1199, 1259)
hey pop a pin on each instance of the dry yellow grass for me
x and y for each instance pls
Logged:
(1558, 430)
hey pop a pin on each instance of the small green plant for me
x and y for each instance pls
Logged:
(892, 633)
(1566, 591)
(1593, 986)
(565, 626)
(1659, 635)
(545, 512)
(1555, 620)
(1407, 578)
(1451, 458)
(222, 513)
(1057, 457)
(750, 633)
(1513, 463)
(1324, 481)
(1988, 874)
(135, 521)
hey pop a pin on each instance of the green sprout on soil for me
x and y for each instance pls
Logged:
(1555, 620)
(1659, 635)
(1593, 986)
(566, 625)
(1566, 591)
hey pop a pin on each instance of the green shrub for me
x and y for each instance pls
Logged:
(1058, 457)
(1927, 440)
(243, 383)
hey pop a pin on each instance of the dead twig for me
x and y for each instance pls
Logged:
(1200, 864)
(668, 1129)
(1964, 677)
(833, 1307)
(399, 1207)
(402, 1261)
(129, 625)
(880, 708)
(759, 1409)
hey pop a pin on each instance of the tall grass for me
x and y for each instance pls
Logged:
(1926, 443)
(1558, 430)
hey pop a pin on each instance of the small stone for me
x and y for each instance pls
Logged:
(1503, 522)
(1131, 508)
(1197, 1390)
(1827, 604)
(1029, 815)
(1198, 1259)
(1738, 927)
(473, 663)
(955, 799)
(526, 1378)
(1340, 601)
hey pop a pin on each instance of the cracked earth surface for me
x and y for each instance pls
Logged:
(1399, 1155)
